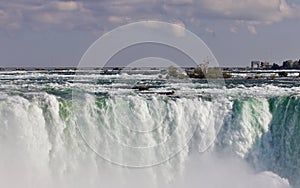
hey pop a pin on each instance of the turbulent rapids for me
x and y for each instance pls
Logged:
(95, 130)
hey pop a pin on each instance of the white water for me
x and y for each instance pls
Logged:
(40, 147)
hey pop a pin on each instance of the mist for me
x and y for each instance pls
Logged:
(209, 170)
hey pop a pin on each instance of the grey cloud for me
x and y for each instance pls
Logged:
(255, 11)
(37, 16)
(90, 14)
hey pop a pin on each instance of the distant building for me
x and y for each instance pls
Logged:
(265, 65)
(255, 64)
(290, 64)
(296, 64)
(260, 65)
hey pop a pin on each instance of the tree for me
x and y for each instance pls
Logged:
(275, 66)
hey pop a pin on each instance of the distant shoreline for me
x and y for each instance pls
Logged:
(225, 69)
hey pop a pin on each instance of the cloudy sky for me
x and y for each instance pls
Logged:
(57, 33)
